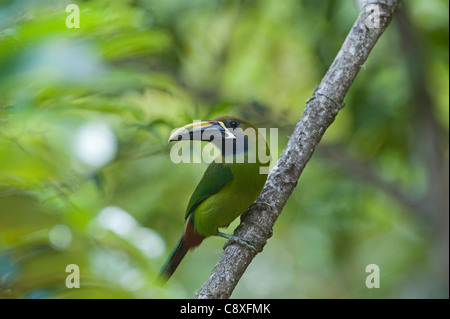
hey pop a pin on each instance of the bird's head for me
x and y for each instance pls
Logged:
(221, 128)
(232, 135)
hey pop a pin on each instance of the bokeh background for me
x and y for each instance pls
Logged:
(85, 172)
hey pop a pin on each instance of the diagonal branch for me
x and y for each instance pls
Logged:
(320, 111)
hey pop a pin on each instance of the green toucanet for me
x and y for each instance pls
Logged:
(230, 184)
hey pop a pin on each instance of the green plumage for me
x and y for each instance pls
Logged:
(216, 176)
(235, 190)
(227, 188)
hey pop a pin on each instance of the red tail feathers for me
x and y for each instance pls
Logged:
(188, 240)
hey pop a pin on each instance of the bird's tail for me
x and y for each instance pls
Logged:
(188, 240)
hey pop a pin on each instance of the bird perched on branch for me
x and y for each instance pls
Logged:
(230, 184)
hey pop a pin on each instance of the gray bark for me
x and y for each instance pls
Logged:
(320, 111)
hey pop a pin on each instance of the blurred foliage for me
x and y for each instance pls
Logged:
(85, 173)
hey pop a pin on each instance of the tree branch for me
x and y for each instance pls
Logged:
(320, 111)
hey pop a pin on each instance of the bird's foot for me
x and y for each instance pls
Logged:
(235, 239)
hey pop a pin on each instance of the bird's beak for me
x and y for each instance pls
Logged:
(202, 131)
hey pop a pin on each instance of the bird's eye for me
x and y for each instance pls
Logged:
(233, 124)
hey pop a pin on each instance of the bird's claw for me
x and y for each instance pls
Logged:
(235, 239)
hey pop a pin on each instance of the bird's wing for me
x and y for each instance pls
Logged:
(216, 176)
